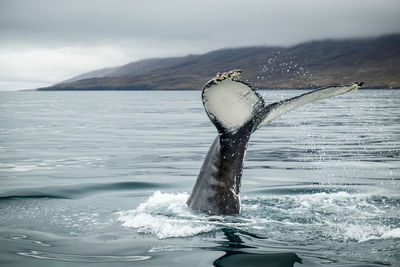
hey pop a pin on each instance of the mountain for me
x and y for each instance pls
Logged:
(376, 61)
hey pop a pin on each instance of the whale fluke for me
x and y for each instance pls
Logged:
(237, 110)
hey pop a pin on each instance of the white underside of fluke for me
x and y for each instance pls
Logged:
(231, 103)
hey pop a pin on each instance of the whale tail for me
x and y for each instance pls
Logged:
(237, 110)
(232, 104)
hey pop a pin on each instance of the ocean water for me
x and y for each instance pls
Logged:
(101, 179)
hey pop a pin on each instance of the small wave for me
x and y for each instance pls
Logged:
(22, 195)
(49, 164)
(395, 234)
(25, 238)
(75, 191)
(348, 231)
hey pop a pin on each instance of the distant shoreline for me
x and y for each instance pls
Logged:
(309, 65)
(166, 90)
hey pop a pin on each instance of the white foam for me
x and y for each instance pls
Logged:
(394, 233)
(165, 216)
(365, 232)
(170, 248)
(348, 231)
(339, 216)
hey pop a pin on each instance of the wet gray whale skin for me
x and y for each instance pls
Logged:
(217, 188)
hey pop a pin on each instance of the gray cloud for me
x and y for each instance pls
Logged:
(225, 22)
(139, 29)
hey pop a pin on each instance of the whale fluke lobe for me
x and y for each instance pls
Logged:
(237, 110)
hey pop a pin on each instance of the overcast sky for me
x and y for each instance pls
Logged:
(47, 41)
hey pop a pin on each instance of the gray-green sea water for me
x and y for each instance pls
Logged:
(102, 178)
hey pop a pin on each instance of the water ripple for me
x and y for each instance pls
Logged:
(77, 191)
(81, 258)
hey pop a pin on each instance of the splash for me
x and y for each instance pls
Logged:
(165, 215)
(341, 217)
